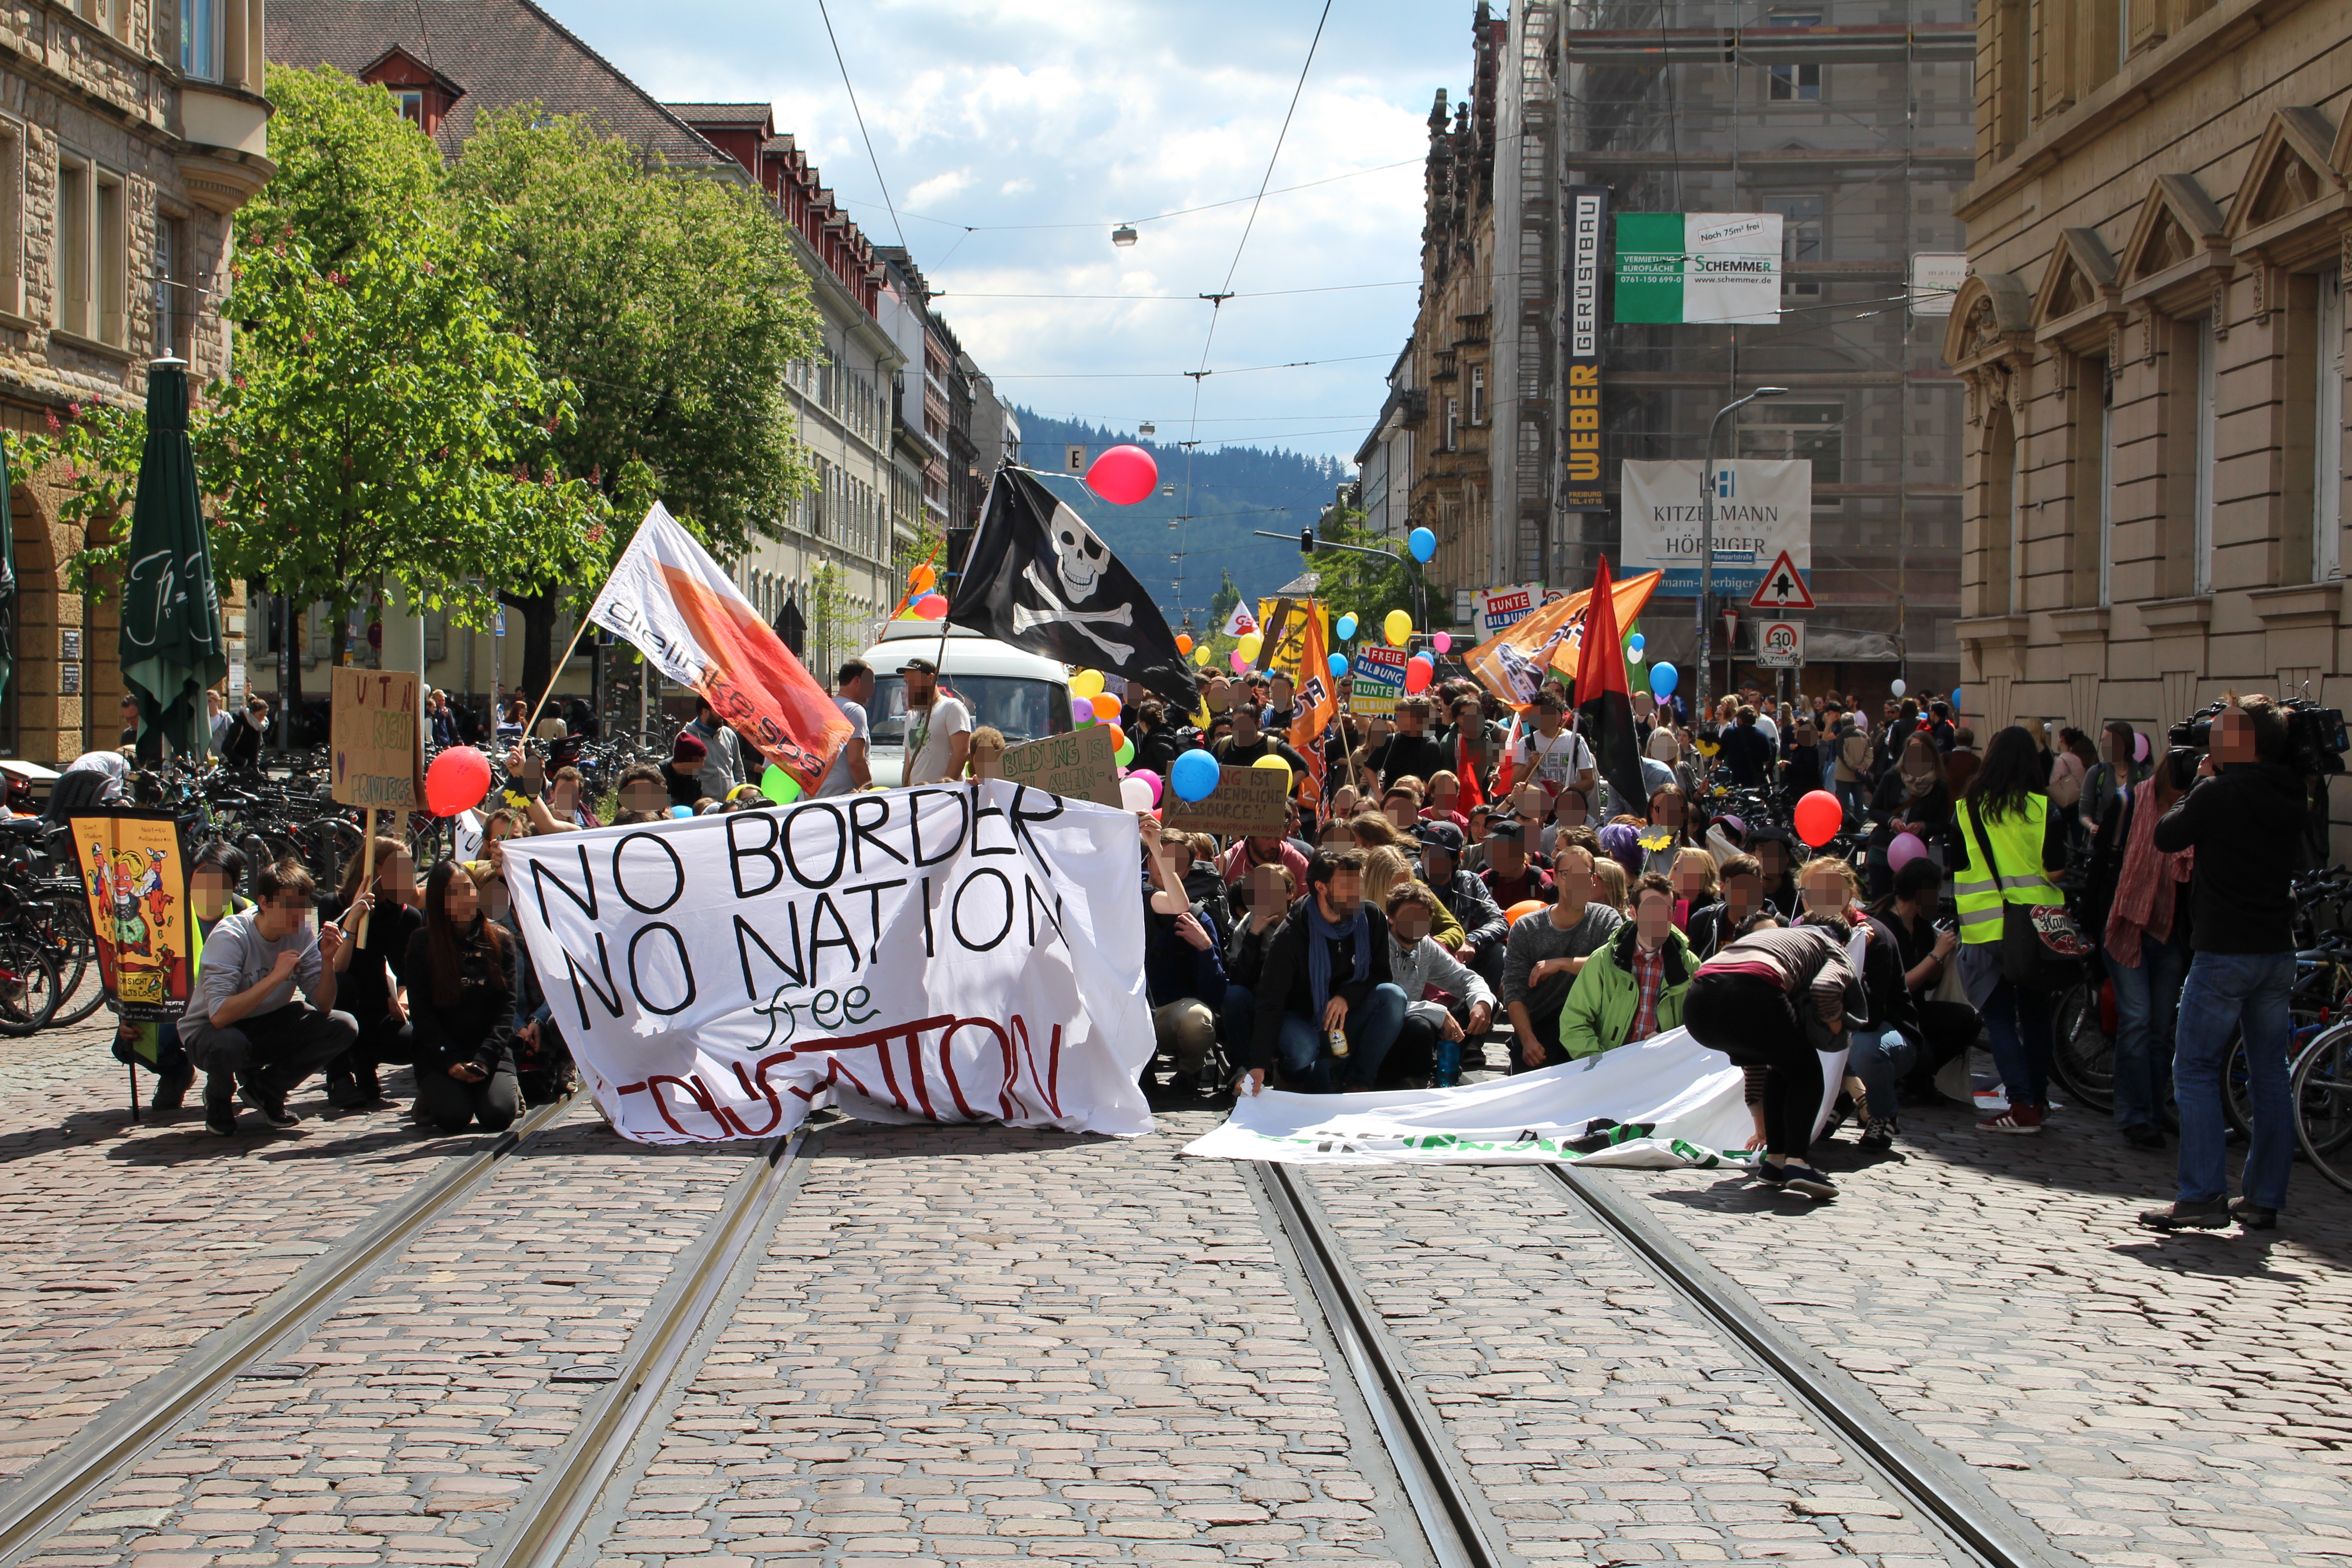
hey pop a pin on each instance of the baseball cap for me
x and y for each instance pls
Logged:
(1505, 826)
(1440, 835)
(924, 665)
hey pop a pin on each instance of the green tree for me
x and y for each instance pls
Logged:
(676, 306)
(385, 425)
(1369, 588)
(1222, 602)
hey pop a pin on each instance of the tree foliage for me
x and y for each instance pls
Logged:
(1369, 588)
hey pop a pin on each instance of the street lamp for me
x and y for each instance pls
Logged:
(1707, 544)
(1123, 236)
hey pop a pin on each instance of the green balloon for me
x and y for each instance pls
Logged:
(1126, 753)
(779, 786)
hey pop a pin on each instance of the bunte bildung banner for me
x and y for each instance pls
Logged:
(972, 952)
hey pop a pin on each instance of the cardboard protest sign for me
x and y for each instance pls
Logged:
(1379, 681)
(1078, 763)
(377, 746)
(970, 953)
(131, 867)
(1246, 800)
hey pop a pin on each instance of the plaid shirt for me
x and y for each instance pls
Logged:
(1649, 979)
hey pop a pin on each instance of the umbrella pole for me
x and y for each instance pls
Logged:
(531, 722)
(134, 1091)
(367, 876)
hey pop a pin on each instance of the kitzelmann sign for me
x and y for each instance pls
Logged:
(1762, 506)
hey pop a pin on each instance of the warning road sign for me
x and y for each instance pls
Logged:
(1783, 588)
(1780, 645)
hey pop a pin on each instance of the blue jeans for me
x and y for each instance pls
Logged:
(2018, 1023)
(1306, 1057)
(1880, 1057)
(1856, 797)
(2148, 1007)
(2249, 990)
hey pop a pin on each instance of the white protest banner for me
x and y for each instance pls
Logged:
(1762, 506)
(958, 953)
(1689, 1096)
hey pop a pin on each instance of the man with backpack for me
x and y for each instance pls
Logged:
(1853, 775)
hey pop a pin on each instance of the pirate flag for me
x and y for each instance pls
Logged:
(1037, 577)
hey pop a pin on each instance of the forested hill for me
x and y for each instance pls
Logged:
(1235, 489)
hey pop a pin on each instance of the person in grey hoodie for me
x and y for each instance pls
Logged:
(262, 1013)
(1432, 1034)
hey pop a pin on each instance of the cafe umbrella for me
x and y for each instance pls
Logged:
(171, 638)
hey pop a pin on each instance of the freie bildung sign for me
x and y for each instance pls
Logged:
(375, 744)
(1379, 681)
(1779, 644)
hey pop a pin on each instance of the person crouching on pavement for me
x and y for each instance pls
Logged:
(262, 1014)
(1184, 972)
(1773, 1001)
(1430, 1042)
(1327, 974)
(461, 986)
(1547, 950)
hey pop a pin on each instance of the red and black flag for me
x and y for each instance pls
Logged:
(1604, 702)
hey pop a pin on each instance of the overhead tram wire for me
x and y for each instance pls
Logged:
(1156, 217)
(1217, 300)
(892, 207)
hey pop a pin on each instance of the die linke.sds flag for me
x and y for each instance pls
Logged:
(1698, 268)
(964, 953)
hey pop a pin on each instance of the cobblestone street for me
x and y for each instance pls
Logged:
(977, 1344)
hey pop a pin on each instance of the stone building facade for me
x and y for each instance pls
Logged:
(127, 140)
(2153, 345)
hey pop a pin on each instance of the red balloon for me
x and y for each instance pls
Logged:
(930, 607)
(1819, 818)
(1418, 673)
(457, 780)
(1123, 476)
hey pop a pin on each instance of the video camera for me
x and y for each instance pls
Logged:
(2315, 737)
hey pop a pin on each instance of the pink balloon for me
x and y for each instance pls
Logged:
(2139, 748)
(1237, 661)
(1123, 475)
(1904, 848)
(1150, 782)
(1441, 641)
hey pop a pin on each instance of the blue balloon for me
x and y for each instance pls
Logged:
(681, 811)
(1635, 644)
(1193, 776)
(1338, 663)
(1664, 679)
(1346, 627)
(1955, 699)
(1422, 543)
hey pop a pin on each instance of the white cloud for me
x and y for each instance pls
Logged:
(1015, 114)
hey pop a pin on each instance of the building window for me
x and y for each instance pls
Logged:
(2000, 488)
(200, 39)
(1802, 235)
(1478, 394)
(1814, 431)
(1795, 83)
(2327, 443)
(2107, 483)
(1453, 421)
(176, 291)
(2207, 376)
(71, 269)
(412, 105)
(12, 219)
(2089, 513)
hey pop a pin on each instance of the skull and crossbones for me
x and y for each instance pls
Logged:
(1079, 559)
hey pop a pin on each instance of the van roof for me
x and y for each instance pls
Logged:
(966, 652)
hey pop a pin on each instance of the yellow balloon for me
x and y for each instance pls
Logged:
(1201, 654)
(1271, 761)
(1248, 646)
(1398, 627)
(1086, 683)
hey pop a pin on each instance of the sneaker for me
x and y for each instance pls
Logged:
(2251, 1216)
(344, 1091)
(1771, 1175)
(220, 1119)
(2016, 1118)
(171, 1091)
(2144, 1136)
(2213, 1215)
(1879, 1133)
(271, 1106)
(1804, 1179)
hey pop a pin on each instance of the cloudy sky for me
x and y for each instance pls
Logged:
(993, 114)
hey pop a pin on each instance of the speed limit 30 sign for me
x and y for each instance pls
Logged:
(1780, 645)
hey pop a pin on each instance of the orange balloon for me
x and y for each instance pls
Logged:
(1117, 739)
(1183, 643)
(922, 579)
(1523, 907)
(1105, 706)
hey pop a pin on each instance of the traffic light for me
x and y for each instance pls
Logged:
(1307, 542)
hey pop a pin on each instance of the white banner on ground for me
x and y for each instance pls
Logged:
(965, 953)
(1691, 1096)
(1762, 506)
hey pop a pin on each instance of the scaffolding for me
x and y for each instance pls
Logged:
(1855, 122)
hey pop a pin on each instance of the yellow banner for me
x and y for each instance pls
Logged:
(1289, 654)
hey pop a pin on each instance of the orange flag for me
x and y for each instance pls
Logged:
(1513, 662)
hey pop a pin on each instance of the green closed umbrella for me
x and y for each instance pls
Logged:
(172, 647)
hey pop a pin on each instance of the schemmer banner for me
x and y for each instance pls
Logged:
(1697, 268)
(964, 953)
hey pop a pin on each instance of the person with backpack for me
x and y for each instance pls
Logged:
(2009, 842)
(1851, 776)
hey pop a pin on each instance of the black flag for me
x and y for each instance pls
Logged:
(1604, 700)
(1038, 578)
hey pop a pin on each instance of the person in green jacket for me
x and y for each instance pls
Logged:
(1633, 986)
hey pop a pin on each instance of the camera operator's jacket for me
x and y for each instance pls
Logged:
(2245, 826)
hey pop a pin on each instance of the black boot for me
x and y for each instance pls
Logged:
(172, 1089)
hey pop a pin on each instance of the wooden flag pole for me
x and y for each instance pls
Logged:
(532, 722)
(367, 876)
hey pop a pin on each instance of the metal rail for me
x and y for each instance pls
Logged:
(550, 1517)
(1938, 1487)
(52, 1492)
(1441, 1500)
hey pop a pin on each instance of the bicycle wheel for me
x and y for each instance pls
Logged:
(2083, 1054)
(29, 985)
(2322, 1089)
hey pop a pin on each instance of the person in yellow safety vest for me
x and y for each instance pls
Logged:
(2027, 835)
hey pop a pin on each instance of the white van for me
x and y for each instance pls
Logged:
(1025, 695)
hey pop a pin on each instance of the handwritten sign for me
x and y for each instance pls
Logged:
(379, 751)
(1379, 681)
(1246, 800)
(1077, 764)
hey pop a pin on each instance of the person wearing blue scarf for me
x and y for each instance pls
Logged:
(1327, 969)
